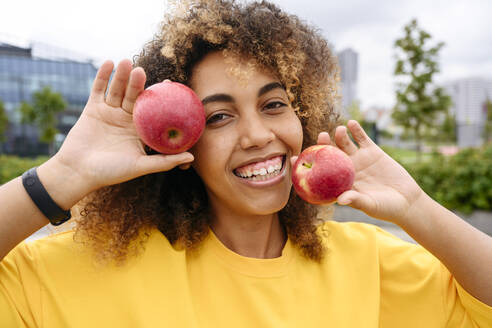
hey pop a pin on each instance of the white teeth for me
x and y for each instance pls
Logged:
(261, 174)
(246, 174)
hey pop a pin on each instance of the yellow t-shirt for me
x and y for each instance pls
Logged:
(369, 278)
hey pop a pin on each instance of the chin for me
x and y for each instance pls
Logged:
(268, 206)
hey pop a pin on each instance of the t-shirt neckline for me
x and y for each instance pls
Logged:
(255, 267)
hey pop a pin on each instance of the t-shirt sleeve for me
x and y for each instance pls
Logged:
(20, 291)
(414, 280)
(462, 306)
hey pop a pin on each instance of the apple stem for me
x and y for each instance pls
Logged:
(308, 165)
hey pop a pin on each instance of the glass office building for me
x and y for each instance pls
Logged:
(22, 74)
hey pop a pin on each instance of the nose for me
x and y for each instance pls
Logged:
(254, 132)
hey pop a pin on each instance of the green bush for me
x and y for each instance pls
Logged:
(13, 166)
(461, 182)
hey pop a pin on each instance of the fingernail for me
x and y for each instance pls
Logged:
(344, 202)
(189, 158)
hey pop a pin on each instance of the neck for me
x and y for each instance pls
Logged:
(251, 236)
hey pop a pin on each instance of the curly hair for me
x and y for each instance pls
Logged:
(115, 220)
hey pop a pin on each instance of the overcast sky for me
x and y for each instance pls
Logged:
(116, 29)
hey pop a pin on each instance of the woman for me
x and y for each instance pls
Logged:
(195, 240)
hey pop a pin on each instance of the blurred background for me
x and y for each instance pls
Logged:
(416, 73)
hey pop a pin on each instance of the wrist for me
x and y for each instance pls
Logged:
(64, 185)
(417, 211)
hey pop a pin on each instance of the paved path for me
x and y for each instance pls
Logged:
(346, 213)
(479, 219)
(39, 234)
(46, 230)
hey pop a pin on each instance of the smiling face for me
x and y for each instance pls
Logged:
(251, 132)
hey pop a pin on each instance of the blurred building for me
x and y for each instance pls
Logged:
(348, 61)
(469, 97)
(27, 69)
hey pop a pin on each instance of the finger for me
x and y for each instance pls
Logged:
(343, 141)
(159, 162)
(118, 83)
(356, 200)
(360, 136)
(135, 86)
(101, 81)
(324, 138)
(293, 160)
(184, 166)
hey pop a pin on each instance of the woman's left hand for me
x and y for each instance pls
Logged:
(382, 188)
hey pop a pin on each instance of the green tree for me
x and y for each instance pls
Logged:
(488, 122)
(449, 127)
(42, 112)
(443, 132)
(27, 116)
(27, 113)
(418, 100)
(4, 123)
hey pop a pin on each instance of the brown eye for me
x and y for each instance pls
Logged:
(275, 105)
(217, 118)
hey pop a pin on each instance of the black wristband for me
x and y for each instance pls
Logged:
(42, 199)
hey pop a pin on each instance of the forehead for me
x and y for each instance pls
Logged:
(220, 71)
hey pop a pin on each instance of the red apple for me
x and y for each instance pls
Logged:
(169, 117)
(322, 173)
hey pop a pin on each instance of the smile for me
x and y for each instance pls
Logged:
(262, 171)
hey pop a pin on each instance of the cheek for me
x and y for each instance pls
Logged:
(210, 154)
(292, 133)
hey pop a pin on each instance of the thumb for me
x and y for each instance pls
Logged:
(160, 162)
(356, 200)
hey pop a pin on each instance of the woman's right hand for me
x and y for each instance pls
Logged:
(103, 147)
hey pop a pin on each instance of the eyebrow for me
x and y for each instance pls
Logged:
(223, 97)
